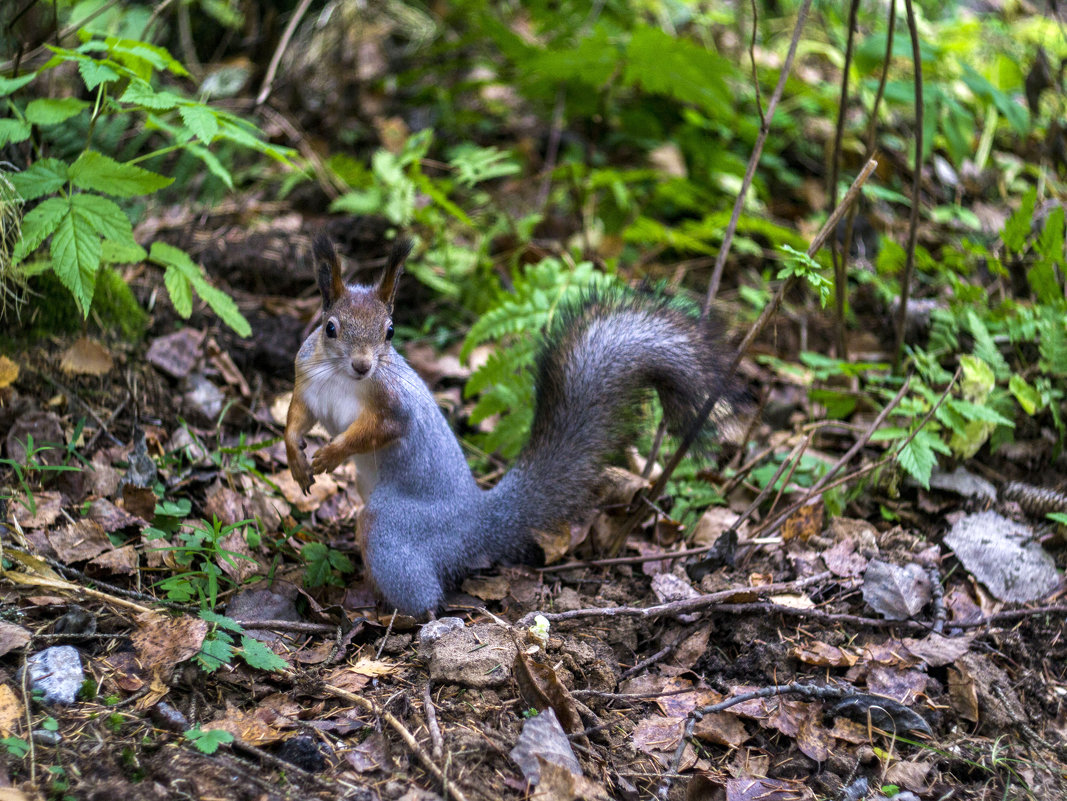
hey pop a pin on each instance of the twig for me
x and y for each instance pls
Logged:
(431, 721)
(840, 260)
(628, 560)
(937, 598)
(279, 51)
(662, 653)
(913, 220)
(687, 605)
(409, 740)
(289, 625)
(753, 161)
(61, 35)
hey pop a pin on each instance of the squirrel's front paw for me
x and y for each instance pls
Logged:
(327, 458)
(301, 472)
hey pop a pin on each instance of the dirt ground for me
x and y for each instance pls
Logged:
(898, 673)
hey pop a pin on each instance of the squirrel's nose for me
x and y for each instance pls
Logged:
(361, 367)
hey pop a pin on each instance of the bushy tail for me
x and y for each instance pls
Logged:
(599, 359)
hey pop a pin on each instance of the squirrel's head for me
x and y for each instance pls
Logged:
(357, 321)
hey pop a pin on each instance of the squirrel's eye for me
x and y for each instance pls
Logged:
(389, 332)
(331, 329)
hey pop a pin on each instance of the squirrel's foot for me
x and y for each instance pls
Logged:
(301, 472)
(327, 458)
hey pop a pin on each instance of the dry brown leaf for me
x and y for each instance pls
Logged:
(792, 600)
(488, 588)
(721, 728)
(111, 518)
(559, 784)
(86, 357)
(49, 505)
(11, 711)
(804, 523)
(813, 738)
(79, 541)
(747, 788)
(167, 641)
(824, 655)
(541, 688)
(176, 354)
(658, 737)
(323, 488)
(255, 727)
(681, 704)
(963, 693)
(369, 755)
(911, 775)
(12, 637)
(842, 559)
(122, 561)
(9, 372)
(936, 650)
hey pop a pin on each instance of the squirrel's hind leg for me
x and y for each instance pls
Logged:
(403, 574)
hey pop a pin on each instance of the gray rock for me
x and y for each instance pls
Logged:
(57, 673)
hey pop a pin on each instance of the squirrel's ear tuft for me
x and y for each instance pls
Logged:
(328, 271)
(387, 286)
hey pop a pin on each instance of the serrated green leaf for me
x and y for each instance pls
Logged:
(208, 742)
(106, 217)
(212, 163)
(972, 411)
(178, 262)
(43, 177)
(11, 85)
(13, 131)
(99, 173)
(141, 93)
(180, 290)
(201, 120)
(113, 252)
(215, 652)
(918, 459)
(76, 255)
(39, 224)
(259, 656)
(135, 53)
(221, 621)
(47, 111)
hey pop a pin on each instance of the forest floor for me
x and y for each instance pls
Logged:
(943, 693)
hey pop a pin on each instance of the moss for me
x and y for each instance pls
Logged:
(50, 309)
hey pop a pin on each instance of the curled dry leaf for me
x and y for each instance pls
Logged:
(12, 637)
(79, 541)
(541, 688)
(11, 711)
(165, 642)
(543, 736)
(86, 357)
(9, 372)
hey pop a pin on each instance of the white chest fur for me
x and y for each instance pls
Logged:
(336, 400)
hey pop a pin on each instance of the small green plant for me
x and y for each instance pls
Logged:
(324, 565)
(34, 469)
(208, 742)
(16, 746)
(76, 194)
(516, 319)
(218, 648)
(198, 553)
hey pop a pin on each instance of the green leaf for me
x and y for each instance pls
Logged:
(12, 131)
(215, 651)
(1017, 227)
(106, 217)
(178, 261)
(917, 457)
(201, 121)
(679, 68)
(259, 656)
(76, 254)
(141, 93)
(39, 224)
(221, 621)
(100, 173)
(43, 177)
(48, 111)
(208, 742)
(10, 85)
(180, 290)
(114, 252)
(1028, 397)
(141, 56)
(212, 163)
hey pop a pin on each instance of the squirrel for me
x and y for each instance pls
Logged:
(426, 523)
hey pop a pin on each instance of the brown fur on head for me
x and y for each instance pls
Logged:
(357, 320)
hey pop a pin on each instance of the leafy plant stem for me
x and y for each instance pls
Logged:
(913, 221)
(160, 152)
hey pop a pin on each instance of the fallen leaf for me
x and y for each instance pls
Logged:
(895, 592)
(11, 711)
(759, 789)
(902, 685)
(1003, 555)
(48, 506)
(824, 655)
(792, 600)
(122, 561)
(488, 588)
(165, 642)
(937, 650)
(79, 541)
(9, 372)
(86, 357)
(12, 637)
(658, 737)
(370, 755)
(721, 728)
(543, 736)
(804, 523)
(842, 559)
(254, 727)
